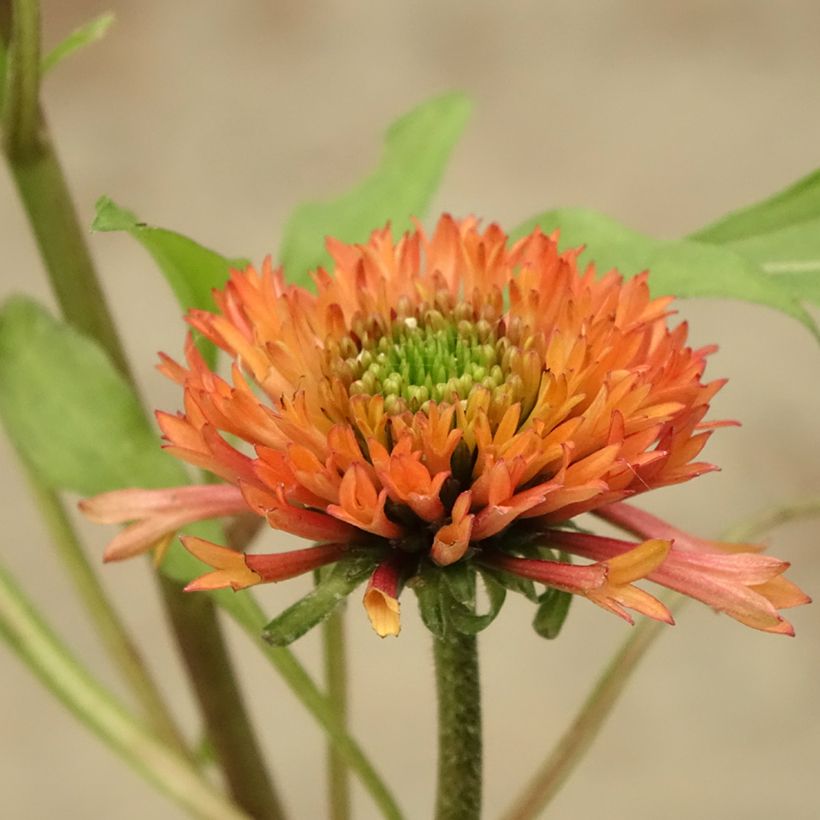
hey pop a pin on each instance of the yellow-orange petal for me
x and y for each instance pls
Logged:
(383, 612)
(230, 567)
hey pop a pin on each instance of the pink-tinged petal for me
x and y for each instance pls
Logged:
(381, 598)
(158, 514)
(118, 506)
(236, 570)
(746, 586)
(607, 583)
(645, 525)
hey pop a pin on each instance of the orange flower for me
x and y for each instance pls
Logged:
(444, 399)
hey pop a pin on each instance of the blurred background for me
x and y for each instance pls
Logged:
(216, 119)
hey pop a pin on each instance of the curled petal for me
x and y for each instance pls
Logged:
(381, 598)
(362, 505)
(452, 540)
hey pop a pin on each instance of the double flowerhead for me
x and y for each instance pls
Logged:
(445, 400)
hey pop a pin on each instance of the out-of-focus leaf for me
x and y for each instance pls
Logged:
(69, 411)
(679, 267)
(85, 35)
(192, 270)
(73, 417)
(781, 235)
(469, 622)
(342, 578)
(551, 613)
(798, 203)
(416, 150)
(429, 588)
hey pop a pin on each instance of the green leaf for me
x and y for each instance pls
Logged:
(69, 411)
(192, 270)
(466, 620)
(551, 613)
(320, 602)
(429, 588)
(678, 267)
(781, 235)
(85, 35)
(460, 581)
(798, 203)
(514, 583)
(416, 150)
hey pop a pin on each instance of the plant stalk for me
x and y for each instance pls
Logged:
(110, 627)
(335, 663)
(202, 645)
(67, 259)
(458, 795)
(40, 649)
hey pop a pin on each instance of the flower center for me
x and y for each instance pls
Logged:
(431, 359)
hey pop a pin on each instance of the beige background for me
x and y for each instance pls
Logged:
(217, 118)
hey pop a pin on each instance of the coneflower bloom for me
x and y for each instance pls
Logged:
(445, 399)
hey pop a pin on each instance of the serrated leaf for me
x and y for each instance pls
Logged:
(416, 150)
(85, 35)
(321, 601)
(551, 613)
(469, 622)
(679, 267)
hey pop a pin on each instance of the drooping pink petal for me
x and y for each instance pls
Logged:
(158, 514)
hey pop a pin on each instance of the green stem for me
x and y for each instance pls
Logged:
(333, 640)
(105, 618)
(202, 645)
(22, 80)
(250, 616)
(47, 201)
(50, 209)
(459, 727)
(570, 749)
(39, 648)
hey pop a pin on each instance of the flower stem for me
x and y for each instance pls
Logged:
(459, 727)
(44, 192)
(202, 645)
(250, 616)
(563, 759)
(333, 643)
(48, 204)
(105, 618)
(40, 649)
